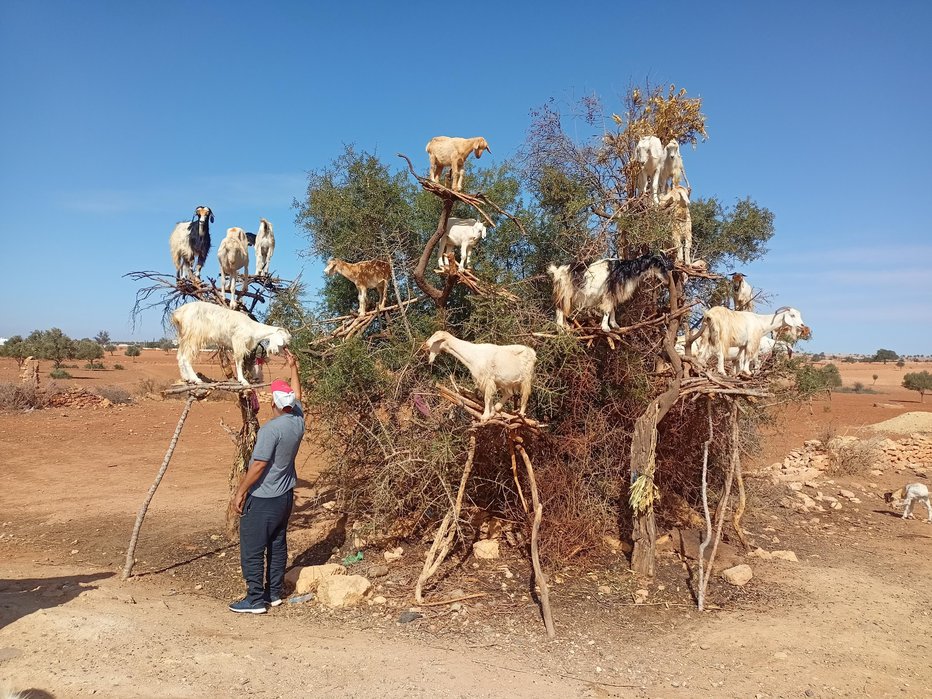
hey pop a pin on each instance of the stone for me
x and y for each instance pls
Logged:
(342, 590)
(794, 485)
(846, 493)
(780, 655)
(377, 571)
(487, 549)
(616, 544)
(640, 596)
(760, 553)
(605, 590)
(393, 555)
(379, 600)
(739, 575)
(306, 578)
(686, 543)
(784, 556)
(408, 617)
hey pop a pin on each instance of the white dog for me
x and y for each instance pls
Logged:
(911, 493)
(200, 324)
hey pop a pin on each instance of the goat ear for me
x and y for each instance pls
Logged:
(211, 216)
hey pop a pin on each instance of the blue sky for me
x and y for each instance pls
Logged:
(120, 117)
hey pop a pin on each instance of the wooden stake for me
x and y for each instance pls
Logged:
(539, 576)
(131, 551)
(514, 473)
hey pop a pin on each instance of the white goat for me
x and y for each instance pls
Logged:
(233, 255)
(677, 200)
(768, 346)
(911, 493)
(743, 330)
(671, 172)
(451, 152)
(190, 242)
(508, 369)
(604, 284)
(742, 293)
(463, 233)
(200, 324)
(649, 153)
(265, 246)
(369, 274)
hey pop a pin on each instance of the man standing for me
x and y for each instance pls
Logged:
(266, 495)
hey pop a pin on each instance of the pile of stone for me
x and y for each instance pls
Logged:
(914, 452)
(77, 398)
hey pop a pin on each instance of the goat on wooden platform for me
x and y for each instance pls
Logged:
(190, 241)
(200, 324)
(508, 369)
(233, 256)
(603, 284)
(370, 274)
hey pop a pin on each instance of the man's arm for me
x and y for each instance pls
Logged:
(253, 474)
(292, 363)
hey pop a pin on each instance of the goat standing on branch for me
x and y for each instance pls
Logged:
(233, 255)
(742, 293)
(508, 369)
(370, 274)
(451, 152)
(190, 241)
(726, 329)
(463, 233)
(677, 200)
(200, 324)
(671, 171)
(649, 153)
(265, 246)
(604, 284)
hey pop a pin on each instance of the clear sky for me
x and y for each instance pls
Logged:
(119, 118)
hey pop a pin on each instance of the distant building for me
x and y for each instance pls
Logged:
(3, 341)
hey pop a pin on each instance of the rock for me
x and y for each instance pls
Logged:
(794, 485)
(408, 617)
(738, 575)
(784, 556)
(342, 590)
(686, 543)
(616, 544)
(377, 571)
(393, 555)
(640, 596)
(780, 655)
(379, 600)
(760, 553)
(605, 590)
(456, 607)
(306, 578)
(846, 493)
(487, 549)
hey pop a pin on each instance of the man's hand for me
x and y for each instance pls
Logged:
(237, 502)
(289, 357)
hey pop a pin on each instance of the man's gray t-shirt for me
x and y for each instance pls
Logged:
(277, 443)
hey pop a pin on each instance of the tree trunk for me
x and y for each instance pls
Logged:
(439, 296)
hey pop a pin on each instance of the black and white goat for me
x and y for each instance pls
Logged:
(603, 284)
(190, 242)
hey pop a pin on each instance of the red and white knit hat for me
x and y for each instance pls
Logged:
(282, 395)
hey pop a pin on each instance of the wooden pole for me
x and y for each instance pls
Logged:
(131, 551)
(700, 591)
(539, 576)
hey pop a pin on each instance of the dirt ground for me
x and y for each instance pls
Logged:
(852, 618)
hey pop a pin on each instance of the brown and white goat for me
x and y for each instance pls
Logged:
(677, 200)
(190, 242)
(451, 152)
(742, 293)
(369, 274)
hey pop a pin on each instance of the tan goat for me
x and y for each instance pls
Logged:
(451, 152)
(677, 199)
(369, 274)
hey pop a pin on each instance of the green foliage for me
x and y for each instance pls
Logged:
(119, 367)
(918, 381)
(884, 355)
(133, 351)
(111, 348)
(51, 344)
(811, 379)
(724, 237)
(900, 363)
(15, 347)
(94, 366)
(102, 338)
(59, 374)
(88, 349)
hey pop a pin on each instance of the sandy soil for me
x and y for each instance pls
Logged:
(851, 618)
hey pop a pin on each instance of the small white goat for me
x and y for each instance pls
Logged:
(190, 241)
(743, 330)
(742, 293)
(451, 152)
(233, 255)
(910, 494)
(604, 284)
(677, 200)
(767, 348)
(265, 246)
(200, 324)
(462, 233)
(369, 274)
(649, 153)
(508, 369)
(671, 172)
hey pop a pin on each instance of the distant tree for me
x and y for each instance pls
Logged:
(918, 381)
(875, 377)
(102, 338)
(166, 344)
(51, 344)
(88, 349)
(901, 363)
(812, 379)
(111, 348)
(884, 355)
(133, 351)
(17, 348)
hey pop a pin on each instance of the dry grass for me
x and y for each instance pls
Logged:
(115, 394)
(855, 457)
